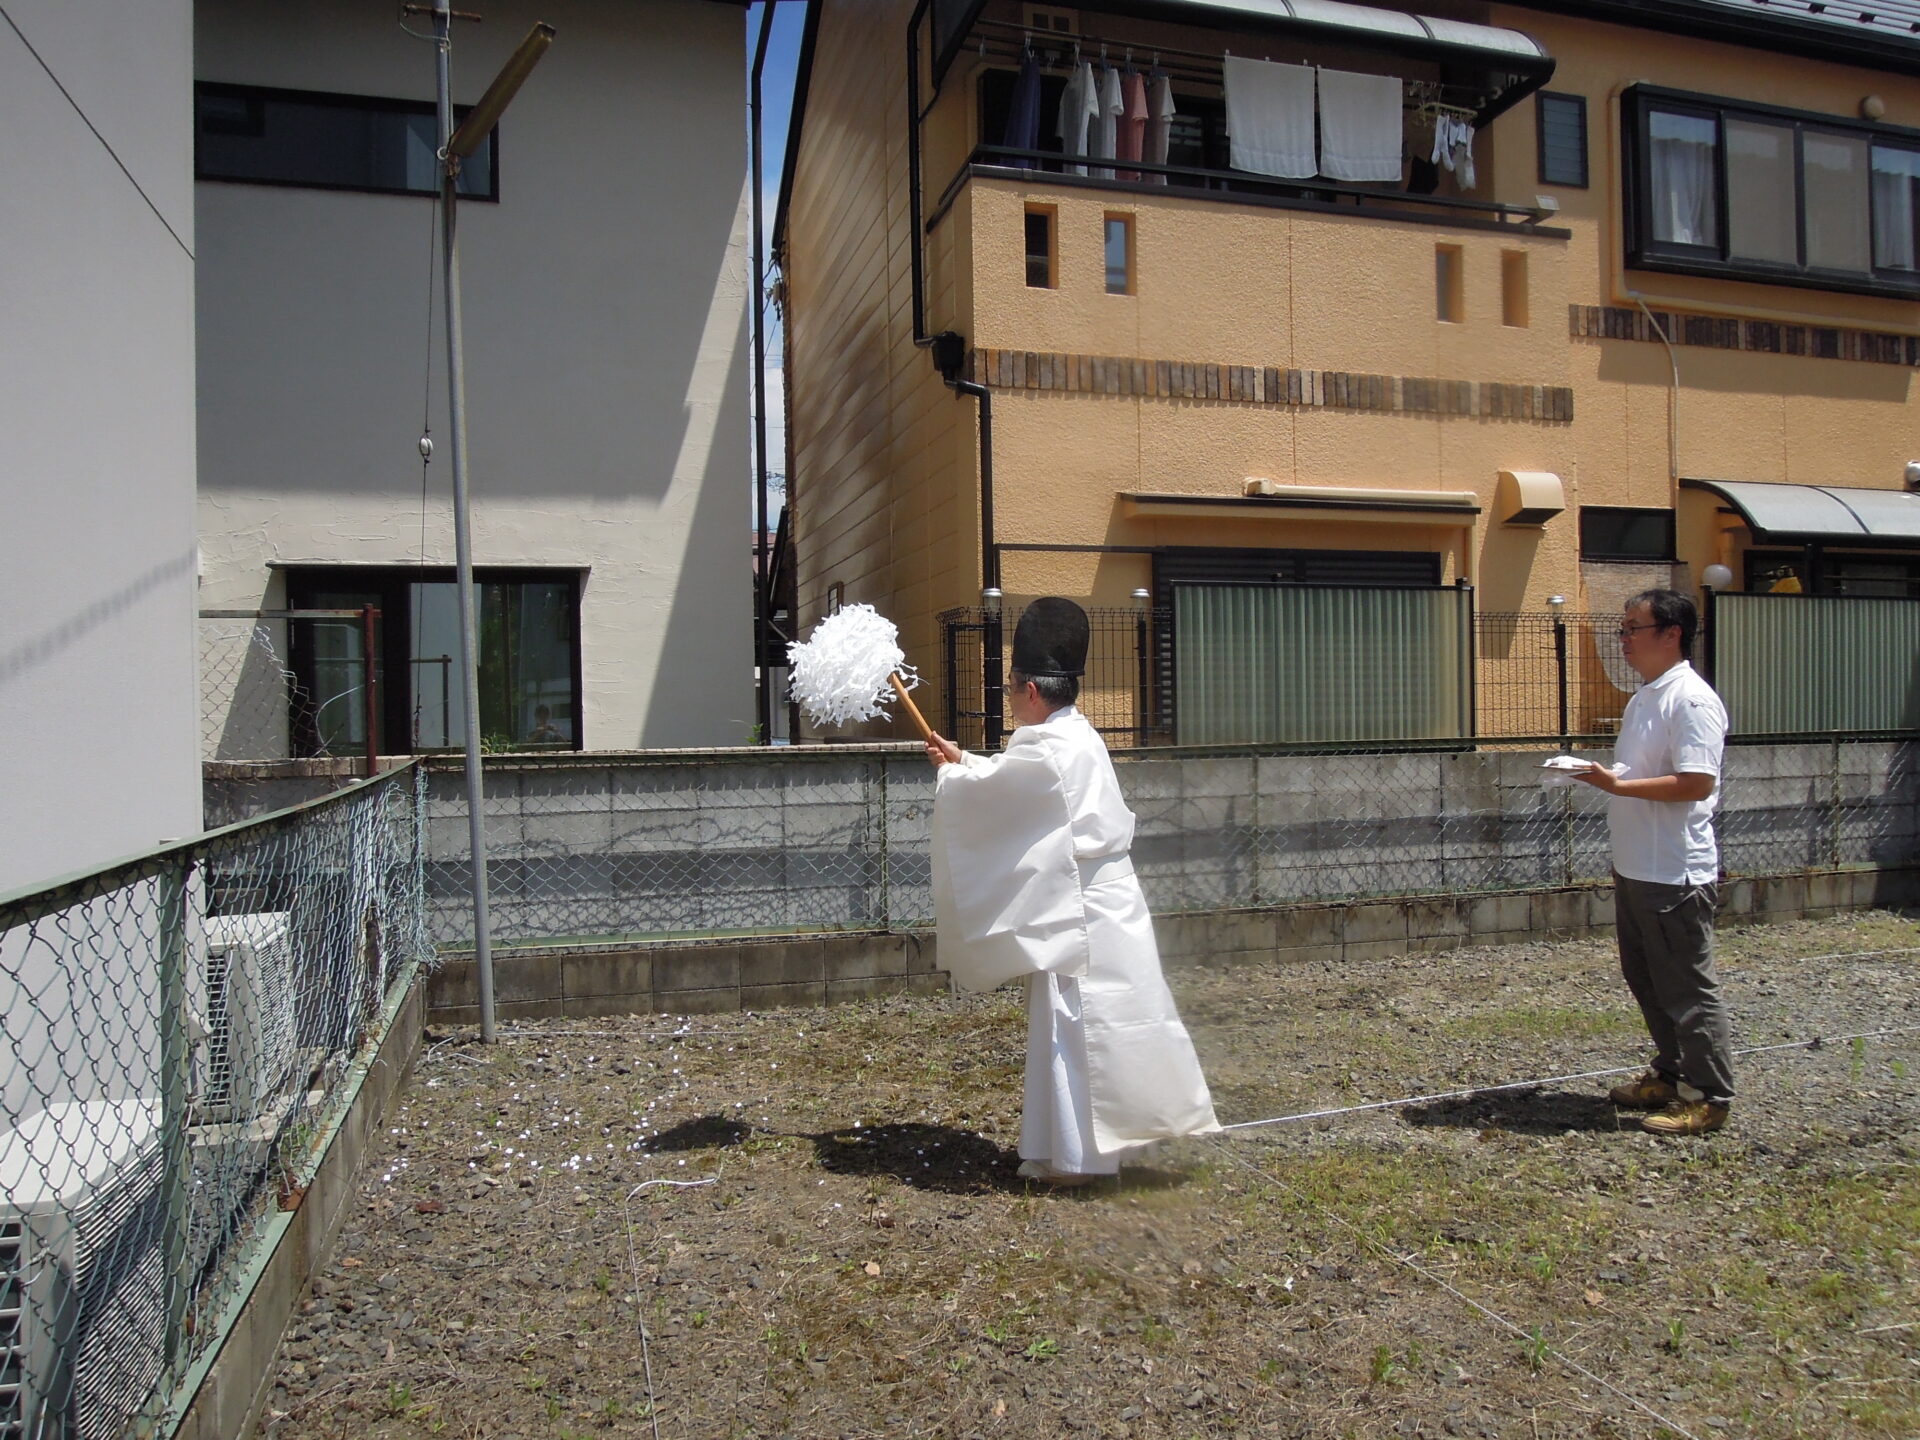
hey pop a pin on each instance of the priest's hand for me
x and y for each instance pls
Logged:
(942, 752)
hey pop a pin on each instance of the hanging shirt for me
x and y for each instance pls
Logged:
(1159, 125)
(1133, 123)
(1106, 127)
(1079, 103)
(1023, 115)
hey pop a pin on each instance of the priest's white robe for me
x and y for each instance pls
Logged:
(1032, 877)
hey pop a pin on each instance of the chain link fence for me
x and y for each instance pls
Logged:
(287, 684)
(606, 851)
(179, 1026)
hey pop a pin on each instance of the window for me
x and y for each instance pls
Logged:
(1448, 299)
(1720, 187)
(1040, 248)
(529, 659)
(330, 142)
(1609, 532)
(1119, 254)
(1561, 121)
(1513, 288)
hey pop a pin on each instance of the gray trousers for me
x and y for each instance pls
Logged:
(1666, 957)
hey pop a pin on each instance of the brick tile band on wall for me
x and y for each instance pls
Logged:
(1267, 385)
(1765, 337)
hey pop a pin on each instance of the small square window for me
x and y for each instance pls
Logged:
(1562, 124)
(1040, 249)
(1617, 532)
(1119, 254)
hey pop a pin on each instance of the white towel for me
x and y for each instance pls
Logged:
(1270, 116)
(1360, 125)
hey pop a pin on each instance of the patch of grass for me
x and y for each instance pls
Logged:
(1543, 1023)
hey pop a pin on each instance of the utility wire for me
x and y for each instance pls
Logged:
(104, 145)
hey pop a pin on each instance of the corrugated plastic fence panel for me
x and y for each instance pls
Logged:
(1805, 664)
(1258, 664)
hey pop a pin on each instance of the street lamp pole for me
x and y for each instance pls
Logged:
(455, 146)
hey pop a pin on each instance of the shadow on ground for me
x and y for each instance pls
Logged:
(927, 1157)
(1520, 1112)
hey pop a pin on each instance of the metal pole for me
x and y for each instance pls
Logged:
(368, 689)
(176, 1064)
(1560, 663)
(762, 599)
(462, 540)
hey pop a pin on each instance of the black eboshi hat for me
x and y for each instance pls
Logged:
(1051, 638)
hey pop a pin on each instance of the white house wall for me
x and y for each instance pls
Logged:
(96, 434)
(604, 308)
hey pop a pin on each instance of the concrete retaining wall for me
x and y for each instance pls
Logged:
(816, 970)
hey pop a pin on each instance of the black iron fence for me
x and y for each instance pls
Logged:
(1530, 676)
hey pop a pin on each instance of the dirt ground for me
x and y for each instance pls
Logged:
(807, 1224)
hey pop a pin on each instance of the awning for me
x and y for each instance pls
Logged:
(1828, 513)
(1265, 500)
(1425, 37)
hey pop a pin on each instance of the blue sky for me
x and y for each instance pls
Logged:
(776, 106)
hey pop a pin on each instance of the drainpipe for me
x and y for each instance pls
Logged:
(762, 601)
(1673, 404)
(949, 351)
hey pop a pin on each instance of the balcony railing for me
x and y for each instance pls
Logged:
(1240, 186)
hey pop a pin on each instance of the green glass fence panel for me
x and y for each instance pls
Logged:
(1791, 664)
(1257, 663)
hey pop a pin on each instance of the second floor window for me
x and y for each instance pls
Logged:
(329, 142)
(1725, 188)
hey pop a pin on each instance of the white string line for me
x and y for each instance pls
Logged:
(1424, 1273)
(1814, 1044)
(639, 1304)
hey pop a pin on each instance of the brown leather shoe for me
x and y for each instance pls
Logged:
(1652, 1091)
(1686, 1117)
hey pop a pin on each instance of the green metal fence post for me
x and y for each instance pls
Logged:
(175, 1062)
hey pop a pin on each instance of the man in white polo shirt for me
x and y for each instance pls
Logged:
(1664, 787)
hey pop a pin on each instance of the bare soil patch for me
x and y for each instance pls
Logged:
(807, 1223)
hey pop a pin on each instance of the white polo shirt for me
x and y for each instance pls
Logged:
(1674, 725)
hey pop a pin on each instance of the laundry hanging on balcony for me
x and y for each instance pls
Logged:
(1160, 114)
(1360, 126)
(1453, 147)
(1270, 117)
(1105, 140)
(1079, 105)
(1023, 116)
(1133, 122)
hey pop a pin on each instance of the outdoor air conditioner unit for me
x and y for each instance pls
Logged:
(249, 1008)
(82, 1269)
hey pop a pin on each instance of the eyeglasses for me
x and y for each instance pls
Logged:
(1626, 631)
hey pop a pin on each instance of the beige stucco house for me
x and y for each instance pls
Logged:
(1668, 319)
(605, 280)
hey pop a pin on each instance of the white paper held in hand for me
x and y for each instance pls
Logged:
(1565, 769)
(841, 674)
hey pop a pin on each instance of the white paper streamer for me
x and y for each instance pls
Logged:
(840, 675)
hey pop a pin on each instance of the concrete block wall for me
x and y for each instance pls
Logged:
(824, 969)
(596, 850)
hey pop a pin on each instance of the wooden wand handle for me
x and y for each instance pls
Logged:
(913, 710)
